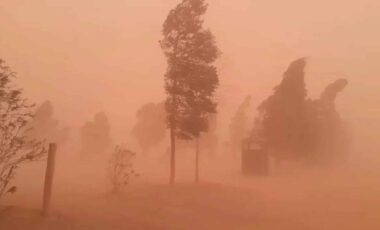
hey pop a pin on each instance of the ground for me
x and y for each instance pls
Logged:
(313, 202)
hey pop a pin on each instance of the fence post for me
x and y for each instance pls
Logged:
(49, 174)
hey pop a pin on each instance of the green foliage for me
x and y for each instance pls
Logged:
(16, 146)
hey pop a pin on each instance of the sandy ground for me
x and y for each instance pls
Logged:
(320, 201)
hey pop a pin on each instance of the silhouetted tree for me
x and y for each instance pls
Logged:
(95, 135)
(16, 147)
(190, 79)
(284, 115)
(200, 104)
(330, 135)
(239, 125)
(150, 128)
(295, 128)
(45, 126)
(210, 138)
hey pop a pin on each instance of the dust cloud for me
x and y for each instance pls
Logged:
(99, 67)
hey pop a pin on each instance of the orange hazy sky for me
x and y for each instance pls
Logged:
(87, 55)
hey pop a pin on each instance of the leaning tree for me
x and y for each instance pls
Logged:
(16, 146)
(191, 79)
(284, 117)
(295, 128)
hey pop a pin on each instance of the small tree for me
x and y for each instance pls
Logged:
(15, 145)
(95, 135)
(45, 126)
(210, 138)
(120, 169)
(239, 124)
(150, 128)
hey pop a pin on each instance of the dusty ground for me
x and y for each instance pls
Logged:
(320, 201)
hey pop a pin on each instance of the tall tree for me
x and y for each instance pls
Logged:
(45, 126)
(199, 105)
(95, 135)
(15, 114)
(150, 128)
(190, 80)
(295, 128)
(239, 124)
(284, 114)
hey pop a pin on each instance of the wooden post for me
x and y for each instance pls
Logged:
(49, 178)
(197, 161)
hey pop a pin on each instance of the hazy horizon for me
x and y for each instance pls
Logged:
(88, 56)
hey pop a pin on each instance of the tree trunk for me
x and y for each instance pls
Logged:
(172, 156)
(197, 161)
